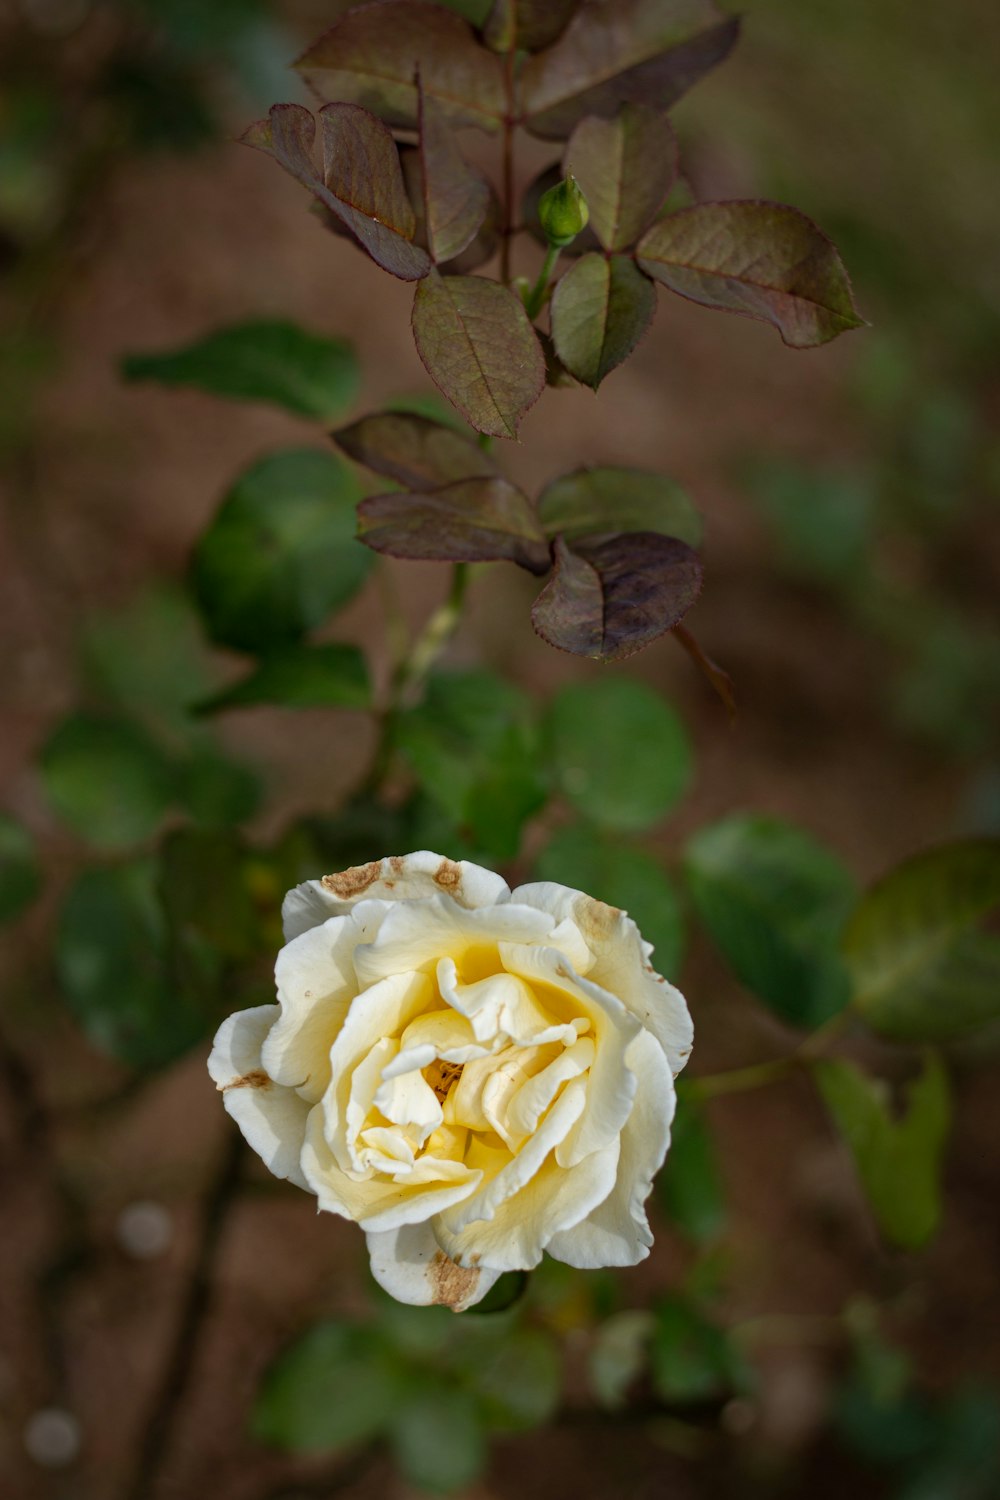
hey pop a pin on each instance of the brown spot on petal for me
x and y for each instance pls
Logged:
(256, 1080)
(352, 882)
(448, 874)
(454, 1285)
(595, 919)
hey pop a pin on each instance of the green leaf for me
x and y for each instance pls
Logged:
(204, 891)
(774, 901)
(763, 260)
(362, 180)
(625, 167)
(265, 360)
(922, 968)
(372, 55)
(281, 553)
(635, 51)
(823, 519)
(618, 1355)
(583, 858)
(106, 779)
(517, 1379)
(20, 875)
(149, 657)
(337, 1385)
(480, 349)
(325, 676)
(619, 753)
(689, 1187)
(437, 1438)
(691, 1359)
(475, 520)
(600, 310)
(455, 196)
(114, 964)
(216, 790)
(472, 747)
(416, 451)
(528, 25)
(610, 597)
(898, 1157)
(607, 499)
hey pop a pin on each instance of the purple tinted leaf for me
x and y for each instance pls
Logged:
(362, 184)
(480, 349)
(413, 450)
(611, 596)
(612, 499)
(528, 25)
(764, 260)
(584, 243)
(455, 197)
(625, 168)
(483, 245)
(475, 520)
(638, 51)
(372, 55)
(600, 310)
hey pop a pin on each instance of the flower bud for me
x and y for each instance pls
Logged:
(563, 213)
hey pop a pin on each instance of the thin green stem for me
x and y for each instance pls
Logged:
(536, 298)
(434, 637)
(759, 1075)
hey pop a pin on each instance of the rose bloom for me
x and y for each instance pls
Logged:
(473, 1075)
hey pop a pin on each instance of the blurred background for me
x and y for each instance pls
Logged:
(149, 1275)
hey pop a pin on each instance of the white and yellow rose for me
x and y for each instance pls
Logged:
(474, 1075)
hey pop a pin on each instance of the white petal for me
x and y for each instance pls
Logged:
(503, 1005)
(611, 1087)
(416, 934)
(524, 1226)
(534, 1096)
(380, 1012)
(521, 1168)
(621, 964)
(617, 1233)
(408, 1099)
(397, 878)
(272, 1118)
(379, 1202)
(314, 974)
(409, 1264)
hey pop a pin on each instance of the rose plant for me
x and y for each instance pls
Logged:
(473, 1075)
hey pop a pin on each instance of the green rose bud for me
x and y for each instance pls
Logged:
(563, 213)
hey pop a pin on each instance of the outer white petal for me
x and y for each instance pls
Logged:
(525, 1225)
(405, 877)
(621, 964)
(272, 1118)
(409, 1264)
(314, 974)
(417, 934)
(617, 1233)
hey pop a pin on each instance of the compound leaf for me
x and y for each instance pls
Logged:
(473, 520)
(625, 167)
(600, 310)
(455, 196)
(413, 450)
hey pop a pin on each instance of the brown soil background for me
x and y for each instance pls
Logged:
(114, 494)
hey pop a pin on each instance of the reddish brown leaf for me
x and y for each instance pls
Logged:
(483, 245)
(479, 347)
(372, 54)
(475, 520)
(528, 25)
(413, 450)
(611, 596)
(600, 310)
(455, 196)
(763, 260)
(606, 500)
(362, 181)
(638, 51)
(625, 168)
